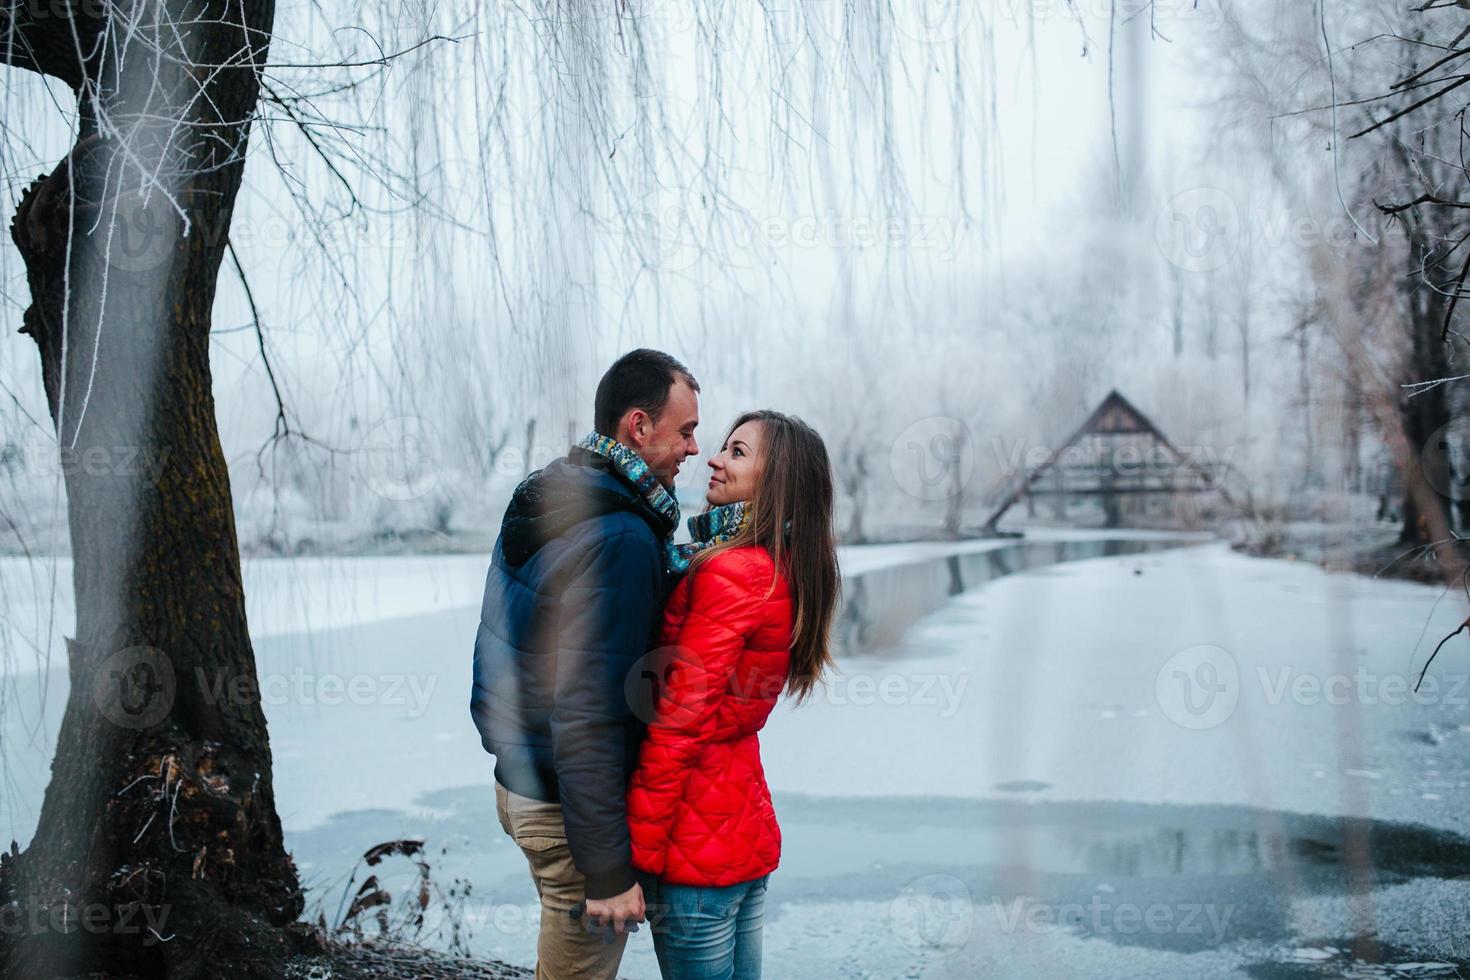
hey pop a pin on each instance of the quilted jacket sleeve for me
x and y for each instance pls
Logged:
(725, 608)
(608, 613)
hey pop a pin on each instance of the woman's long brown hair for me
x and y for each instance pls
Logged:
(794, 492)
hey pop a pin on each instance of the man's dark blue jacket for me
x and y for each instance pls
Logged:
(572, 600)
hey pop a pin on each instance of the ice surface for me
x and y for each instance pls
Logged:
(1080, 683)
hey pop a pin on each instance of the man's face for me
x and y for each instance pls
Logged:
(667, 442)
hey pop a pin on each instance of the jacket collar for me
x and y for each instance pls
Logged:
(549, 502)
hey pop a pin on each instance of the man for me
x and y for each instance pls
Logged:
(572, 600)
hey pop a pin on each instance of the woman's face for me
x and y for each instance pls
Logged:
(737, 466)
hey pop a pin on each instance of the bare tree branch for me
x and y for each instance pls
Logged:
(1417, 105)
(1421, 199)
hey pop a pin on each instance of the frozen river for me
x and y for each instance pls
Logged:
(1064, 758)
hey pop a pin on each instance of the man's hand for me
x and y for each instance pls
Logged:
(618, 911)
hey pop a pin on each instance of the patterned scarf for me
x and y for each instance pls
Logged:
(717, 525)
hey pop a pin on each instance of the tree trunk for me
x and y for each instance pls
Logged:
(158, 851)
(1426, 511)
(954, 508)
(857, 489)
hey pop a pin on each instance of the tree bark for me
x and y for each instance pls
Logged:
(51, 38)
(1426, 512)
(158, 851)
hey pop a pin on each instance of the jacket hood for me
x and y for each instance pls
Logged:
(568, 491)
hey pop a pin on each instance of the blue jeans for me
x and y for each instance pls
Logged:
(702, 933)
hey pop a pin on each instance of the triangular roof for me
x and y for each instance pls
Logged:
(1115, 414)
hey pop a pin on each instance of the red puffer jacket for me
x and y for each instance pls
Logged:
(698, 806)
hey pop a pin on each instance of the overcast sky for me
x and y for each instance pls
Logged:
(1033, 188)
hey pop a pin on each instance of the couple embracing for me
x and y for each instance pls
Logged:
(630, 808)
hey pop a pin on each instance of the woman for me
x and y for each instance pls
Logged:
(751, 618)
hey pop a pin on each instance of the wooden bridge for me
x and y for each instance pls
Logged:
(1116, 454)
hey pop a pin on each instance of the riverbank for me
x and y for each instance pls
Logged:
(1367, 549)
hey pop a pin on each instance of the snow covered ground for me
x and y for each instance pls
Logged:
(283, 596)
(1126, 766)
(318, 595)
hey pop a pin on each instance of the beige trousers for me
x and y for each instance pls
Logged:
(565, 949)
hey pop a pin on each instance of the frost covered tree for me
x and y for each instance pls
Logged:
(161, 793)
(1378, 95)
(563, 119)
